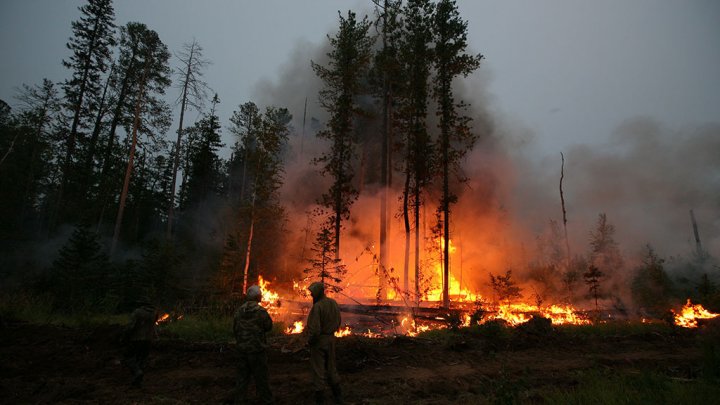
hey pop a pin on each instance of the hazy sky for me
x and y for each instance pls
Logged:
(567, 71)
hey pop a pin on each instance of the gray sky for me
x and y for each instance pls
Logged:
(569, 71)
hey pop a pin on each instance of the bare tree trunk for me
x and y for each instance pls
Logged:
(249, 245)
(562, 202)
(128, 171)
(176, 161)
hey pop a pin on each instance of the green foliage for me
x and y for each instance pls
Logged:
(608, 387)
(348, 64)
(80, 276)
(324, 265)
(603, 330)
(201, 327)
(203, 179)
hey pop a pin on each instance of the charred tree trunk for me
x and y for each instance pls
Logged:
(562, 202)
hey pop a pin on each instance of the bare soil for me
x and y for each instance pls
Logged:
(52, 364)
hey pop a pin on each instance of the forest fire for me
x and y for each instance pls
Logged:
(689, 315)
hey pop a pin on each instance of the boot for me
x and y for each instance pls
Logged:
(319, 397)
(337, 393)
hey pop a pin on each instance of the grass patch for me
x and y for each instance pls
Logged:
(615, 328)
(201, 328)
(607, 388)
(38, 310)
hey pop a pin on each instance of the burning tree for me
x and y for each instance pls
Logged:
(456, 139)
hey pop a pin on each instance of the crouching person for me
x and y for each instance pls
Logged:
(138, 338)
(250, 324)
(322, 323)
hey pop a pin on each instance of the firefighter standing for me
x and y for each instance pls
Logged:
(250, 324)
(138, 338)
(322, 322)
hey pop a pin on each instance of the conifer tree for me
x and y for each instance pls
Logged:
(91, 46)
(456, 139)
(349, 61)
(417, 56)
(149, 61)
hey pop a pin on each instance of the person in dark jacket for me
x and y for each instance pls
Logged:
(138, 338)
(322, 323)
(250, 324)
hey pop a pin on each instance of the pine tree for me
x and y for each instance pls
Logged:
(417, 56)
(29, 156)
(504, 287)
(79, 276)
(651, 287)
(604, 251)
(324, 265)
(150, 63)
(348, 64)
(91, 46)
(204, 178)
(592, 278)
(455, 136)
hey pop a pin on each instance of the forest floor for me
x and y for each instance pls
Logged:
(55, 364)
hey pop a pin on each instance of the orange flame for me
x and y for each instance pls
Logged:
(269, 298)
(342, 332)
(163, 318)
(689, 314)
(297, 327)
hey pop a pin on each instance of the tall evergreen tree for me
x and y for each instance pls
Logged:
(450, 33)
(91, 46)
(349, 60)
(30, 155)
(204, 177)
(417, 56)
(387, 72)
(258, 156)
(150, 64)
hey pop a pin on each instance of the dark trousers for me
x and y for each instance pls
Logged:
(136, 356)
(322, 360)
(253, 366)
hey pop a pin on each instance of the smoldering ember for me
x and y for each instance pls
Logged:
(141, 203)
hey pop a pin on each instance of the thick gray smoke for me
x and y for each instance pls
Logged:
(645, 177)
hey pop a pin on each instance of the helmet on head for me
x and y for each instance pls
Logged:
(317, 289)
(254, 293)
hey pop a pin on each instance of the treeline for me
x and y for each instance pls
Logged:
(164, 214)
(91, 161)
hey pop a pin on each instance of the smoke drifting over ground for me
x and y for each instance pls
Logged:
(645, 177)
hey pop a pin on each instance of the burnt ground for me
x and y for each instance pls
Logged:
(52, 364)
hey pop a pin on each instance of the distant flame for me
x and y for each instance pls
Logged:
(342, 332)
(163, 318)
(689, 314)
(269, 298)
(295, 329)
